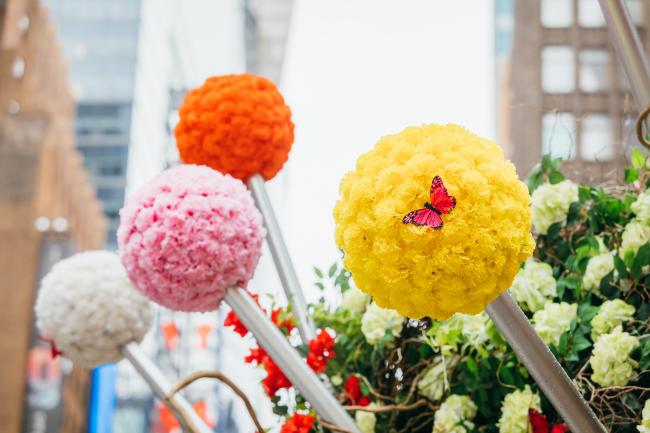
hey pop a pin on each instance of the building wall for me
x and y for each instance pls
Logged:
(41, 179)
(570, 97)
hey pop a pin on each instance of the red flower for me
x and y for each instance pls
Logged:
(298, 424)
(321, 348)
(257, 355)
(353, 391)
(540, 423)
(275, 378)
(283, 320)
(233, 320)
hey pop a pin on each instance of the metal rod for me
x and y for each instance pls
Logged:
(285, 356)
(628, 49)
(542, 365)
(161, 388)
(282, 260)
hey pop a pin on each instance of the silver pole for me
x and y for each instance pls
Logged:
(277, 347)
(161, 387)
(628, 48)
(542, 365)
(282, 259)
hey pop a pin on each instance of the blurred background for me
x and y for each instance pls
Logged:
(89, 91)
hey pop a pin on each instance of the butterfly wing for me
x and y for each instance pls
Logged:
(439, 197)
(423, 217)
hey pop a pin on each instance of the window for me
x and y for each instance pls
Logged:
(594, 73)
(105, 161)
(558, 135)
(558, 70)
(556, 13)
(597, 139)
(590, 14)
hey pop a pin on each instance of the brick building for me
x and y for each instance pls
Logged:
(47, 211)
(568, 95)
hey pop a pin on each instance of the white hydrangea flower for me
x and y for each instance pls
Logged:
(514, 410)
(610, 359)
(376, 320)
(434, 383)
(554, 320)
(641, 207)
(474, 327)
(597, 268)
(534, 285)
(635, 235)
(366, 421)
(550, 204)
(455, 415)
(610, 315)
(88, 306)
(644, 427)
(355, 301)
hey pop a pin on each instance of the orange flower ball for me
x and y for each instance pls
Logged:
(237, 124)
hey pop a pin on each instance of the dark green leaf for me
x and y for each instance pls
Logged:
(555, 177)
(587, 312)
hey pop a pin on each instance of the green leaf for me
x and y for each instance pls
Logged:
(586, 312)
(564, 342)
(318, 272)
(641, 259)
(631, 175)
(620, 267)
(320, 285)
(332, 270)
(637, 158)
(580, 343)
(472, 366)
(584, 193)
(556, 177)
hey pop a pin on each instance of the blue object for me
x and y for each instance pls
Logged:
(102, 399)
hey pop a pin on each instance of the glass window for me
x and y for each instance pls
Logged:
(111, 198)
(596, 139)
(105, 161)
(590, 14)
(558, 135)
(594, 70)
(558, 71)
(556, 13)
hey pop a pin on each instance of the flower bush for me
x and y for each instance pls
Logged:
(399, 375)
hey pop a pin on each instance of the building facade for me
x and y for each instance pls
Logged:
(48, 210)
(569, 96)
(100, 41)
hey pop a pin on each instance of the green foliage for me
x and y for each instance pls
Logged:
(485, 367)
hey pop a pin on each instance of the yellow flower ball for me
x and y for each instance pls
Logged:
(419, 271)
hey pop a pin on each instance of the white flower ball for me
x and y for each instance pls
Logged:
(635, 235)
(376, 320)
(610, 359)
(644, 427)
(434, 383)
(550, 204)
(610, 315)
(641, 207)
(554, 320)
(597, 268)
(88, 307)
(534, 285)
(455, 415)
(366, 421)
(514, 410)
(355, 301)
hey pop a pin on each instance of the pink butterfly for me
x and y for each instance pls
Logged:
(441, 203)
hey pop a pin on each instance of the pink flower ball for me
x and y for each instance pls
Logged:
(189, 235)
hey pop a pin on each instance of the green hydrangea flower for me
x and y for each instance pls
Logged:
(534, 285)
(610, 359)
(554, 320)
(455, 415)
(514, 410)
(610, 315)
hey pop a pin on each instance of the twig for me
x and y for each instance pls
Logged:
(333, 427)
(388, 408)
